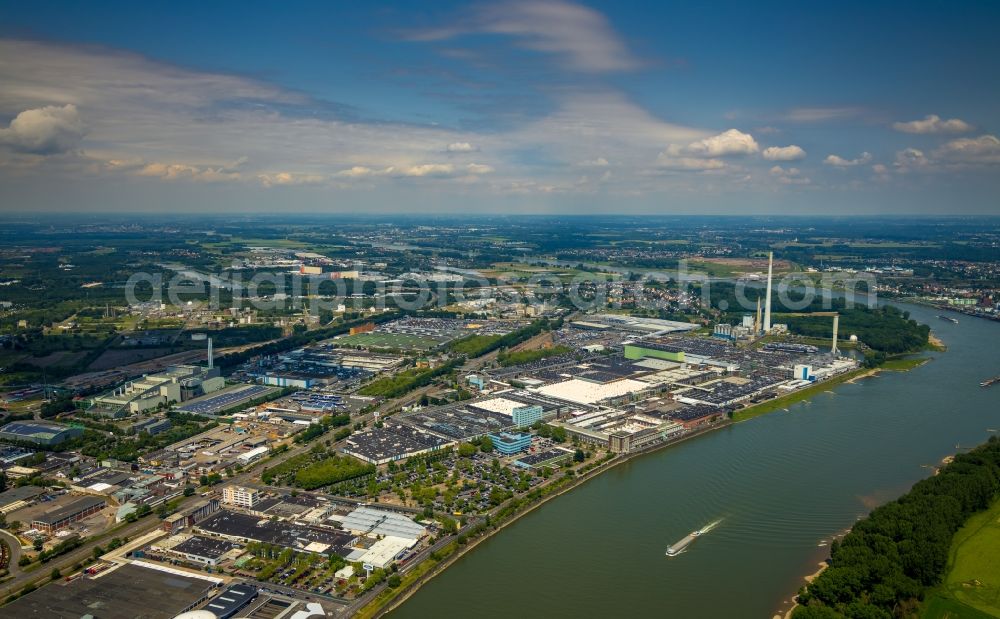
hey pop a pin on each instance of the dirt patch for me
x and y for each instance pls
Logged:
(60, 357)
(117, 358)
(750, 264)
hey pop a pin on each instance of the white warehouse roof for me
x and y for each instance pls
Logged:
(381, 522)
(498, 405)
(586, 392)
(382, 552)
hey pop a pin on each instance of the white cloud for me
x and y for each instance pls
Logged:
(580, 37)
(425, 169)
(667, 160)
(731, 142)
(45, 131)
(479, 168)
(288, 178)
(417, 171)
(784, 153)
(822, 114)
(183, 171)
(357, 172)
(910, 159)
(460, 147)
(839, 162)
(933, 123)
(789, 176)
(984, 149)
(181, 125)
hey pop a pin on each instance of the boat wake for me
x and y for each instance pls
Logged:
(708, 527)
(682, 545)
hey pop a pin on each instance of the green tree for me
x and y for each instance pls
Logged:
(486, 446)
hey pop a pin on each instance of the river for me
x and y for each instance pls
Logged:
(783, 483)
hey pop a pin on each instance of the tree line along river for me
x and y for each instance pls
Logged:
(783, 484)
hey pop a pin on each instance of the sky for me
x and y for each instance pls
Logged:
(796, 108)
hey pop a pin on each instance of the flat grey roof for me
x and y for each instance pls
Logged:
(70, 509)
(19, 494)
(129, 592)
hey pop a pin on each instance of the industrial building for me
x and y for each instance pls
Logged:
(382, 553)
(197, 548)
(253, 455)
(621, 431)
(16, 498)
(177, 383)
(190, 516)
(61, 517)
(580, 391)
(244, 528)
(653, 350)
(152, 426)
(45, 433)
(380, 522)
(135, 589)
(637, 324)
(226, 399)
(231, 601)
(392, 442)
(548, 457)
(239, 496)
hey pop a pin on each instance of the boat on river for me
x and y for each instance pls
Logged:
(686, 541)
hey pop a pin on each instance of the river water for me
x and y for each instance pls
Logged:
(783, 483)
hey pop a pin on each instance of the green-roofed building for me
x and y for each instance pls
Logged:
(656, 351)
(39, 432)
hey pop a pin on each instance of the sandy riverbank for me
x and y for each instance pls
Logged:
(936, 343)
(811, 577)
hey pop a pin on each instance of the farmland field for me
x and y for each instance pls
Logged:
(972, 586)
(403, 341)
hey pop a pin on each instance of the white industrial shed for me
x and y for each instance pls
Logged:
(370, 521)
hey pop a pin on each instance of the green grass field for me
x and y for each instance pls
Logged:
(402, 341)
(971, 588)
(796, 396)
(903, 364)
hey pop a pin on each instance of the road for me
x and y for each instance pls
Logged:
(15, 552)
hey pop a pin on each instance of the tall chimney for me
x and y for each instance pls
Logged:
(210, 361)
(767, 299)
(836, 325)
(756, 322)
